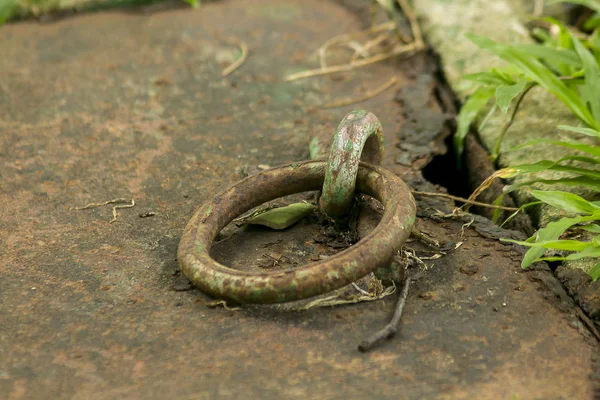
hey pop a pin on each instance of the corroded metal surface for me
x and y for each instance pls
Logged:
(113, 105)
(358, 137)
(373, 251)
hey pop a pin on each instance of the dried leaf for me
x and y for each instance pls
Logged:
(282, 217)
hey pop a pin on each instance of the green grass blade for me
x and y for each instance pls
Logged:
(552, 55)
(505, 94)
(593, 150)
(552, 231)
(536, 71)
(593, 228)
(591, 87)
(542, 35)
(575, 181)
(592, 23)
(595, 271)
(546, 165)
(583, 159)
(566, 201)
(467, 115)
(555, 258)
(6, 9)
(487, 78)
(487, 117)
(497, 212)
(524, 206)
(567, 244)
(590, 252)
(594, 41)
(193, 3)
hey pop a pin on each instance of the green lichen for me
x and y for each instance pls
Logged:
(200, 247)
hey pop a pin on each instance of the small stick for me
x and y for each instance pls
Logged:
(93, 205)
(463, 200)
(347, 67)
(368, 46)
(414, 22)
(359, 289)
(237, 63)
(223, 303)
(346, 39)
(382, 27)
(356, 47)
(424, 238)
(390, 329)
(366, 96)
(325, 46)
(114, 210)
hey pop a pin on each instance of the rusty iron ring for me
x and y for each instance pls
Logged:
(373, 251)
(358, 137)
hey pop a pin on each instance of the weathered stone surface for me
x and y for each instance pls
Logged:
(445, 25)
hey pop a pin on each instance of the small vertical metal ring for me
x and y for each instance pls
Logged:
(359, 137)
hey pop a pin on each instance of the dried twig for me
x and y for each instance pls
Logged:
(501, 173)
(463, 200)
(399, 48)
(413, 21)
(347, 67)
(456, 214)
(385, 26)
(408, 255)
(424, 238)
(331, 42)
(390, 329)
(147, 215)
(223, 303)
(358, 289)
(337, 300)
(440, 254)
(94, 205)
(346, 38)
(362, 51)
(366, 96)
(237, 63)
(114, 210)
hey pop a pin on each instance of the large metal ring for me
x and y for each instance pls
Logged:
(358, 137)
(373, 251)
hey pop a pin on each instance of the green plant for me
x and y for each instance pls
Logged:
(6, 9)
(568, 67)
(194, 3)
(16, 9)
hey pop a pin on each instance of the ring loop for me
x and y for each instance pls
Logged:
(358, 137)
(373, 251)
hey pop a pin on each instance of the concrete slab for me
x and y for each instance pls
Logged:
(114, 105)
